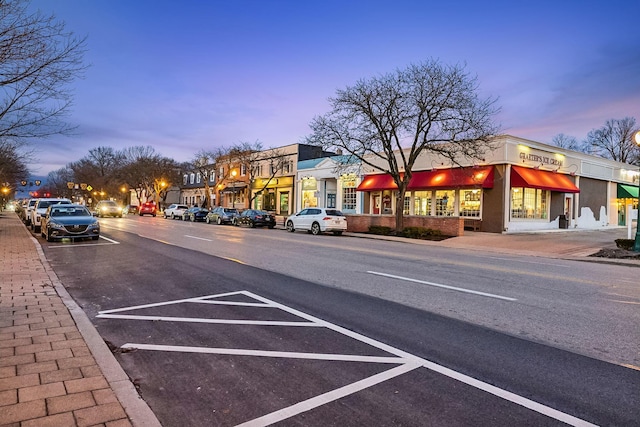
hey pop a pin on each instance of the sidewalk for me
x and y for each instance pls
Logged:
(55, 370)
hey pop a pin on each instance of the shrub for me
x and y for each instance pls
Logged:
(420, 233)
(380, 229)
(625, 243)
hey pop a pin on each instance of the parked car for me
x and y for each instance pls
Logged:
(317, 220)
(108, 208)
(195, 213)
(175, 211)
(132, 209)
(69, 221)
(40, 208)
(147, 208)
(222, 215)
(255, 218)
(25, 213)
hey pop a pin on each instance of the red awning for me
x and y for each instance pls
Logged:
(474, 177)
(544, 180)
(377, 183)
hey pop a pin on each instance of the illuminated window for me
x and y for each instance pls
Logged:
(422, 203)
(529, 203)
(445, 202)
(470, 203)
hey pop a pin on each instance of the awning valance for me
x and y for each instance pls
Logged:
(544, 180)
(377, 183)
(627, 191)
(474, 177)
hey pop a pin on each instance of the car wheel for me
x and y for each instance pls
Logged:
(219, 221)
(290, 227)
(154, 215)
(337, 233)
(208, 220)
(173, 216)
(315, 228)
(253, 224)
(140, 214)
(192, 219)
(49, 238)
(270, 226)
(95, 237)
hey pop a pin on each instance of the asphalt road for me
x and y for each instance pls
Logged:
(220, 326)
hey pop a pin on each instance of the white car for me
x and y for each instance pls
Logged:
(40, 208)
(317, 220)
(175, 211)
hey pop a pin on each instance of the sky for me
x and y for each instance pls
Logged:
(199, 74)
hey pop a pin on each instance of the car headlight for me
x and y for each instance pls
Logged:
(56, 225)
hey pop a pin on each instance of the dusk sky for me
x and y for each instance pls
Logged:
(183, 76)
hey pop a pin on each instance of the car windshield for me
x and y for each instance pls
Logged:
(47, 203)
(334, 212)
(226, 210)
(70, 212)
(110, 203)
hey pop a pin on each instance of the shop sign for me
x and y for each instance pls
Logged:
(543, 160)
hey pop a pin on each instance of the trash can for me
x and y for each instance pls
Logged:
(564, 222)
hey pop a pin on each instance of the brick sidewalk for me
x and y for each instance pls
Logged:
(48, 373)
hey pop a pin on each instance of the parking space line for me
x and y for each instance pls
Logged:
(438, 285)
(267, 353)
(407, 361)
(328, 397)
(213, 321)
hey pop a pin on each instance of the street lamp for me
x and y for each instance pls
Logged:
(636, 243)
(233, 175)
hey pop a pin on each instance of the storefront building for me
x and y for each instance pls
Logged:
(521, 185)
(326, 182)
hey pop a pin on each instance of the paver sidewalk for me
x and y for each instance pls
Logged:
(49, 351)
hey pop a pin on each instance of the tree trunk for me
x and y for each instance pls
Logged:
(399, 211)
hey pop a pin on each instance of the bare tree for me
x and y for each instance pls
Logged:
(13, 163)
(387, 122)
(100, 169)
(38, 61)
(149, 173)
(567, 142)
(58, 180)
(615, 141)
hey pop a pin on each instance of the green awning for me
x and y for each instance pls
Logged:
(627, 191)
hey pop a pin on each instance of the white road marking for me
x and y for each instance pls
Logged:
(407, 361)
(198, 320)
(198, 238)
(438, 285)
(267, 353)
(109, 240)
(328, 397)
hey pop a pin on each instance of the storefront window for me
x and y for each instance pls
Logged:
(407, 205)
(349, 198)
(422, 203)
(445, 202)
(284, 203)
(529, 203)
(470, 203)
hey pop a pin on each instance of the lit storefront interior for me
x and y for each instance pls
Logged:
(444, 192)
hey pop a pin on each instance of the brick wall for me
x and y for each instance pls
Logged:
(448, 226)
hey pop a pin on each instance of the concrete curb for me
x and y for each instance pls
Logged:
(136, 408)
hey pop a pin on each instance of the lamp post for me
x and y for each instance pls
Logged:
(636, 243)
(233, 175)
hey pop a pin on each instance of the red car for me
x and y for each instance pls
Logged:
(148, 208)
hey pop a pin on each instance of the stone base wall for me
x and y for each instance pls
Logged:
(448, 226)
